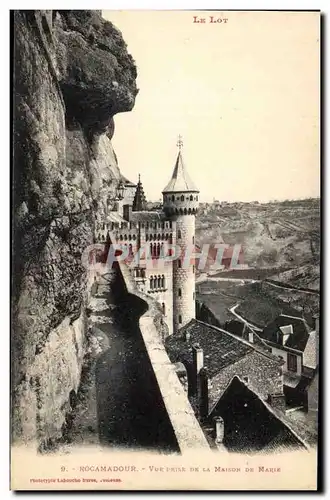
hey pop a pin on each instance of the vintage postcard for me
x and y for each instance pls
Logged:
(165, 250)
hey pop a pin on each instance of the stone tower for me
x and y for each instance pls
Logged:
(139, 202)
(180, 204)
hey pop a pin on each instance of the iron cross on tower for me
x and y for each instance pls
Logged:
(180, 142)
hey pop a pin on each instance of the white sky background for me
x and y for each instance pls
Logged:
(244, 95)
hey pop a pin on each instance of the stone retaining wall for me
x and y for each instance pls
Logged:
(188, 433)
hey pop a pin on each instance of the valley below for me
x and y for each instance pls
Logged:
(280, 244)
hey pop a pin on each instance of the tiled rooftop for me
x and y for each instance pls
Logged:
(146, 216)
(221, 348)
(239, 396)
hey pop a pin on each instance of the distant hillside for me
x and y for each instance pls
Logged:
(278, 234)
(307, 276)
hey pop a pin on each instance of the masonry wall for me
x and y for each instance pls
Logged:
(187, 431)
(264, 376)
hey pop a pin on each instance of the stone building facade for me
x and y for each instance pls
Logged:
(157, 244)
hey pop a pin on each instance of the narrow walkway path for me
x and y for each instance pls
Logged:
(127, 403)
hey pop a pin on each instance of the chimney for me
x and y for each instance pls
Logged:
(198, 363)
(203, 394)
(219, 430)
(127, 212)
(247, 334)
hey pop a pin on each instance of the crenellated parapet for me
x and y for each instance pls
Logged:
(132, 231)
(180, 204)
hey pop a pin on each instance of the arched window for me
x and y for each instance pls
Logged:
(151, 247)
(155, 237)
(134, 237)
(179, 263)
(173, 197)
(159, 282)
(163, 308)
(166, 236)
(185, 211)
(143, 273)
(191, 197)
(163, 281)
(196, 198)
(151, 282)
(125, 237)
(182, 197)
(171, 239)
(155, 282)
(129, 237)
(179, 233)
(180, 319)
(155, 249)
(158, 237)
(146, 237)
(158, 250)
(180, 292)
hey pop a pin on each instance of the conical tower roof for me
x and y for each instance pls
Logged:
(180, 181)
(139, 202)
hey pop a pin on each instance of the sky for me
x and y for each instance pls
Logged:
(243, 93)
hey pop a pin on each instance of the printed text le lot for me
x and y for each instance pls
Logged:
(210, 19)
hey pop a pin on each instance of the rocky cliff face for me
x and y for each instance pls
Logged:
(72, 74)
